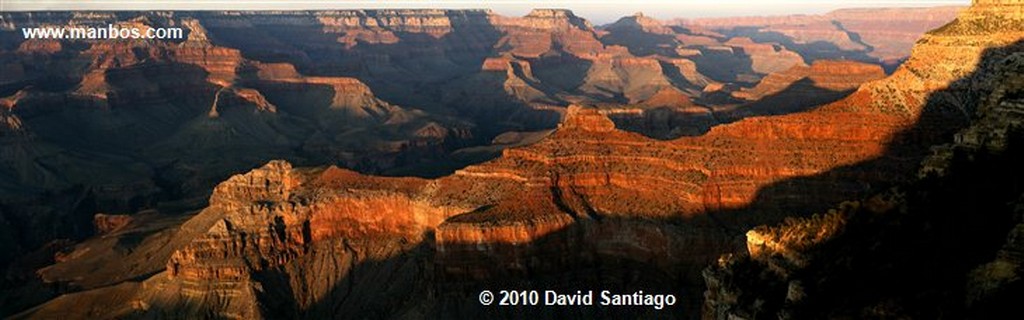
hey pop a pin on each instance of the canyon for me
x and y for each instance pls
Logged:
(393, 163)
(945, 244)
(857, 34)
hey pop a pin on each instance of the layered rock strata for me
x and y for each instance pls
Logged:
(907, 252)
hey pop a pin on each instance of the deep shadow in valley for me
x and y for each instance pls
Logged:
(800, 96)
(666, 123)
(439, 73)
(641, 43)
(726, 65)
(412, 69)
(561, 70)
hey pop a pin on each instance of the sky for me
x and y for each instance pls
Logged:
(598, 11)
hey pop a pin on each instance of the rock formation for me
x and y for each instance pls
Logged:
(907, 252)
(109, 223)
(803, 87)
(825, 74)
(885, 34)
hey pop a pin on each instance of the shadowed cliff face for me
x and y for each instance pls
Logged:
(943, 245)
(585, 205)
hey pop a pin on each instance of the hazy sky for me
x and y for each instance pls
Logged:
(598, 11)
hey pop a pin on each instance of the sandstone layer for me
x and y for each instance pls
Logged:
(921, 249)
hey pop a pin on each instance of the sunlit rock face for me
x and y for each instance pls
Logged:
(805, 87)
(960, 76)
(825, 74)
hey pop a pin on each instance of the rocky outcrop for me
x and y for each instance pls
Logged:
(106, 223)
(831, 265)
(803, 88)
(642, 35)
(543, 29)
(829, 75)
(588, 120)
(765, 58)
(629, 80)
(890, 254)
(640, 22)
(277, 221)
